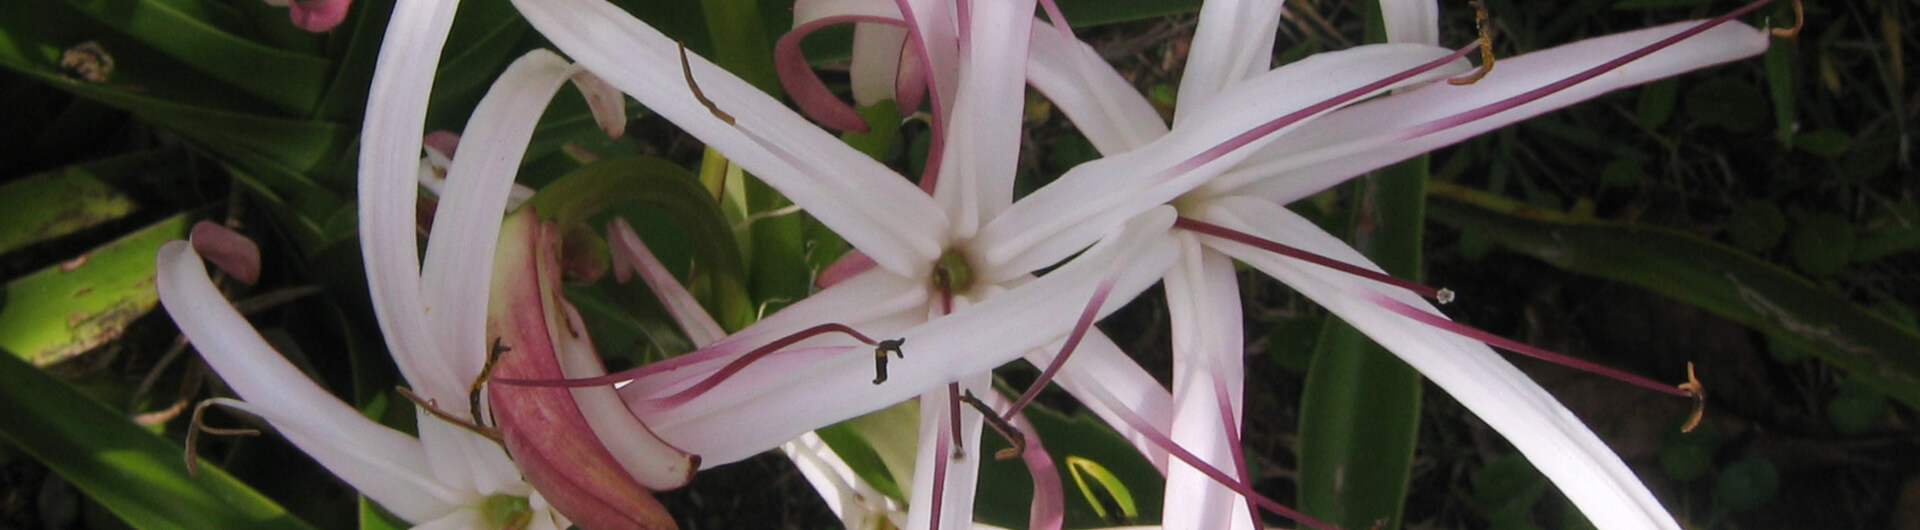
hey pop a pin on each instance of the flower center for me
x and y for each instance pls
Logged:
(506, 511)
(951, 274)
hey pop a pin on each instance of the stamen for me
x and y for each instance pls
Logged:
(1590, 73)
(1000, 425)
(1442, 296)
(196, 426)
(718, 376)
(480, 381)
(1244, 138)
(433, 408)
(1691, 389)
(1080, 327)
(1699, 391)
(953, 420)
(1486, 46)
(687, 70)
(1799, 21)
(880, 357)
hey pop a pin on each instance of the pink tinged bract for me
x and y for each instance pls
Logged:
(232, 252)
(555, 434)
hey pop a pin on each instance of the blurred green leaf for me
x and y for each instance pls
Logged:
(1856, 408)
(1705, 274)
(68, 308)
(1824, 142)
(1747, 484)
(1506, 489)
(1656, 103)
(1729, 103)
(1822, 244)
(131, 471)
(1756, 226)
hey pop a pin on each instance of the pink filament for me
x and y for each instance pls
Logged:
(1504, 343)
(1303, 255)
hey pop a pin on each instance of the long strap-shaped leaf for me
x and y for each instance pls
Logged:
(132, 472)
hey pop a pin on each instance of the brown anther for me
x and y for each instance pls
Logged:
(480, 381)
(686, 69)
(1799, 21)
(880, 351)
(1699, 393)
(1000, 425)
(433, 408)
(196, 426)
(1486, 46)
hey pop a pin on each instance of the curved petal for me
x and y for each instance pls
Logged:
(1097, 196)
(1114, 117)
(385, 465)
(629, 251)
(872, 207)
(1550, 436)
(1372, 135)
(1233, 42)
(1203, 302)
(724, 426)
(983, 136)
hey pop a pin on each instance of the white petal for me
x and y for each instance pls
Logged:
(1412, 21)
(384, 464)
(1203, 303)
(877, 52)
(1097, 196)
(1381, 132)
(734, 422)
(1233, 42)
(1106, 108)
(389, 167)
(458, 268)
(983, 136)
(1550, 436)
(629, 250)
(871, 206)
(961, 471)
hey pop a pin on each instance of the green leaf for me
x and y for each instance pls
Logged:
(1006, 490)
(1110, 490)
(132, 472)
(69, 308)
(1857, 408)
(1708, 275)
(63, 201)
(671, 189)
(1360, 411)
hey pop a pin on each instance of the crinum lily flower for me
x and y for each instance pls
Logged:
(733, 399)
(1236, 208)
(1234, 181)
(457, 473)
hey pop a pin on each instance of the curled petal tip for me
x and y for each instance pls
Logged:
(227, 249)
